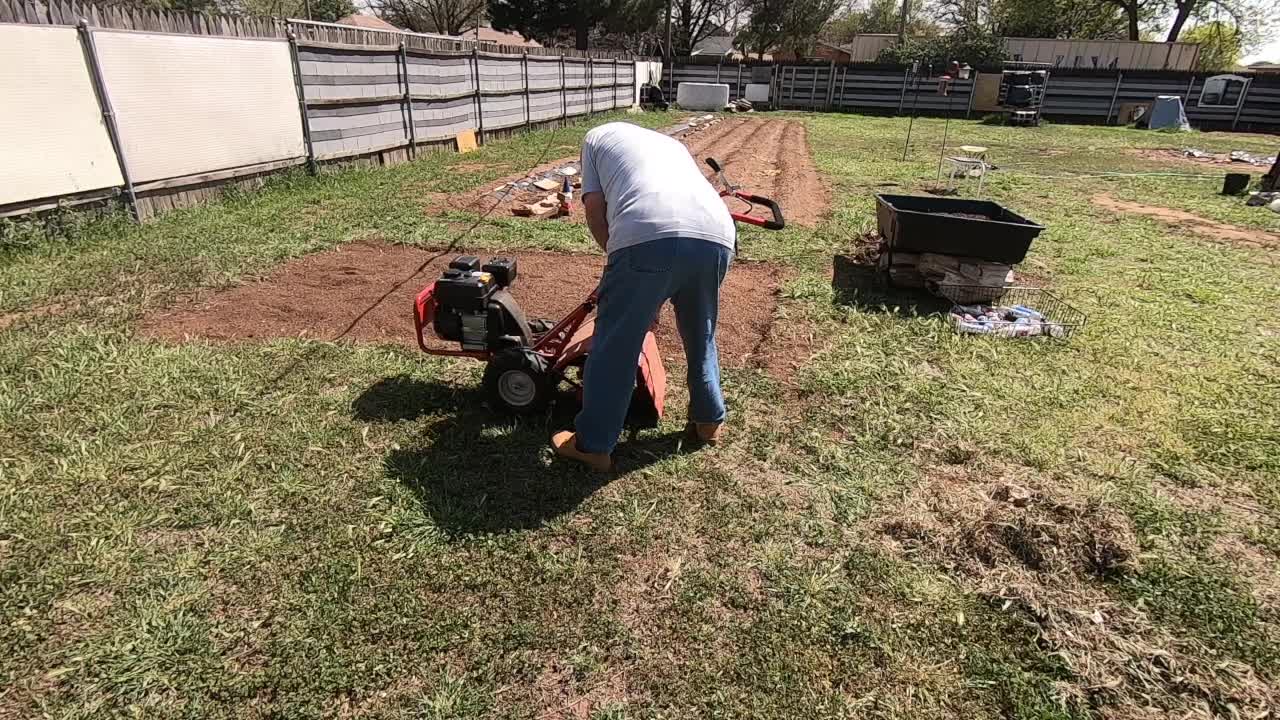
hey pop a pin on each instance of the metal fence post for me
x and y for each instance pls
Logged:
(591, 86)
(1244, 95)
(90, 50)
(615, 83)
(408, 102)
(831, 85)
(844, 80)
(564, 105)
(717, 72)
(737, 86)
(524, 68)
(1115, 93)
(1186, 102)
(475, 75)
(973, 85)
(903, 97)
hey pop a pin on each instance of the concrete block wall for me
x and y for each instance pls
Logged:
(355, 97)
(544, 73)
(545, 105)
(443, 119)
(577, 101)
(348, 74)
(501, 75)
(438, 76)
(503, 111)
(339, 129)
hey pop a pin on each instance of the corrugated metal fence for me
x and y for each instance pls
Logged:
(1084, 96)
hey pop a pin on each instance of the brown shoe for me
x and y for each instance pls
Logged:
(565, 444)
(705, 433)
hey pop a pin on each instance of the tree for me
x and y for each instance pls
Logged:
(972, 45)
(879, 16)
(449, 17)
(693, 21)
(1252, 19)
(1136, 11)
(1220, 45)
(791, 25)
(321, 10)
(548, 21)
(1058, 19)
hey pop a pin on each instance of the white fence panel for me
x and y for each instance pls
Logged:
(53, 140)
(191, 104)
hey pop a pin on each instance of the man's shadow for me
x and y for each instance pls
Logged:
(865, 287)
(475, 471)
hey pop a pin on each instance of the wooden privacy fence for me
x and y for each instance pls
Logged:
(1085, 96)
(116, 17)
(292, 101)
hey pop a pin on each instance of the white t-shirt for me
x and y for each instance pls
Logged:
(652, 187)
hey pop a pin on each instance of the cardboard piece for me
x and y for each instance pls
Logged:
(547, 184)
(467, 141)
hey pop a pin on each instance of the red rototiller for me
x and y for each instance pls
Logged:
(527, 360)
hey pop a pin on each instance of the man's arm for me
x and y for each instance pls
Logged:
(597, 217)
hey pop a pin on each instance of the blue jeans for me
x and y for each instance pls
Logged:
(637, 281)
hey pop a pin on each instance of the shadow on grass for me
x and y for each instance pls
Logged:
(865, 288)
(475, 471)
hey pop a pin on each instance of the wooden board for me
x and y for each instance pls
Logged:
(467, 141)
(986, 92)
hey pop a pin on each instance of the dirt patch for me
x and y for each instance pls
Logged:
(765, 157)
(1219, 231)
(8, 320)
(1048, 554)
(359, 292)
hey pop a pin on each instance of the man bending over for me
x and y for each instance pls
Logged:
(668, 237)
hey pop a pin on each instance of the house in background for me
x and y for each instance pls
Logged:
(489, 35)
(368, 22)
(719, 44)
(482, 34)
(1262, 66)
(826, 52)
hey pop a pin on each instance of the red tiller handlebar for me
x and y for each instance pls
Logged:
(777, 222)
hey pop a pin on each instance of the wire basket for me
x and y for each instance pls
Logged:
(1010, 311)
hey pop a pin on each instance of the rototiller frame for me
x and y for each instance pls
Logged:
(525, 367)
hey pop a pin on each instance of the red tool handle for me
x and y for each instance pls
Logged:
(730, 190)
(776, 223)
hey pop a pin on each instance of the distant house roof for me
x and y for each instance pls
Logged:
(490, 35)
(368, 22)
(714, 45)
(1264, 66)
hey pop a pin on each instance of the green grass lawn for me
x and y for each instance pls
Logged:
(309, 529)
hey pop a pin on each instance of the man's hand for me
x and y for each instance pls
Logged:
(597, 217)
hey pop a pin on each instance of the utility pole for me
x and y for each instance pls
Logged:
(902, 22)
(670, 53)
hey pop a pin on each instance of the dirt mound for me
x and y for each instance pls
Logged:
(1007, 525)
(765, 157)
(1034, 548)
(1222, 232)
(360, 292)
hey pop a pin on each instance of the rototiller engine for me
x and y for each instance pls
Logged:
(527, 359)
